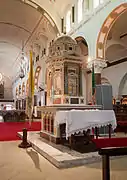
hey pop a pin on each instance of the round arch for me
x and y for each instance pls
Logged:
(40, 9)
(83, 45)
(81, 41)
(23, 88)
(16, 91)
(122, 83)
(36, 78)
(20, 89)
(106, 27)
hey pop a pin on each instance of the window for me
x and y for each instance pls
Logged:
(37, 58)
(80, 10)
(73, 14)
(68, 21)
(101, 1)
(96, 3)
(19, 89)
(85, 5)
(44, 51)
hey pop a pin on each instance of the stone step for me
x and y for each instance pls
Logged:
(58, 158)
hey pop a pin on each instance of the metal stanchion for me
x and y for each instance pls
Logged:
(24, 143)
(105, 167)
(106, 153)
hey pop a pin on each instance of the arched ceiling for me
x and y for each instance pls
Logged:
(56, 8)
(20, 22)
(116, 47)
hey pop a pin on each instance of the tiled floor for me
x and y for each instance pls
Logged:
(19, 164)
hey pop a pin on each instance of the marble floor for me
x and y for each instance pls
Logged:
(20, 164)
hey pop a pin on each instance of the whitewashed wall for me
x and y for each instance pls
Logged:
(88, 87)
(7, 88)
(114, 75)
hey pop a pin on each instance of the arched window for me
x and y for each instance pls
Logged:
(80, 10)
(68, 21)
(85, 5)
(96, 3)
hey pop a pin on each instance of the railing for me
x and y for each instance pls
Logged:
(106, 153)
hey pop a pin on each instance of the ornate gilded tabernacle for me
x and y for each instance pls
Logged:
(64, 72)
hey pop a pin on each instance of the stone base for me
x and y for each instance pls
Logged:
(50, 138)
(61, 159)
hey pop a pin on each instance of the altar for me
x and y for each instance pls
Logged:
(75, 118)
(81, 120)
(66, 112)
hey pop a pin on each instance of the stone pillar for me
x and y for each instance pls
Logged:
(99, 65)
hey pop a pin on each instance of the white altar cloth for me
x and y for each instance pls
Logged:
(79, 120)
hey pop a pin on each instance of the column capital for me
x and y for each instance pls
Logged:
(99, 65)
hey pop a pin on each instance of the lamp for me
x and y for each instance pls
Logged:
(22, 74)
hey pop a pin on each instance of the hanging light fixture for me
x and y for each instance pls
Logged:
(22, 74)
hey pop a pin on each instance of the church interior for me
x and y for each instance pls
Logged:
(63, 89)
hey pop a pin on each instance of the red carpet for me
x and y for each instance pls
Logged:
(8, 130)
(110, 142)
(122, 123)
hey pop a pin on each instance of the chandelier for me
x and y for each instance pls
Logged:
(22, 74)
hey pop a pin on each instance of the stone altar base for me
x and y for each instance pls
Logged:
(61, 159)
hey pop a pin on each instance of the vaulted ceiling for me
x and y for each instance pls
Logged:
(116, 47)
(26, 22)
(21, 25)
